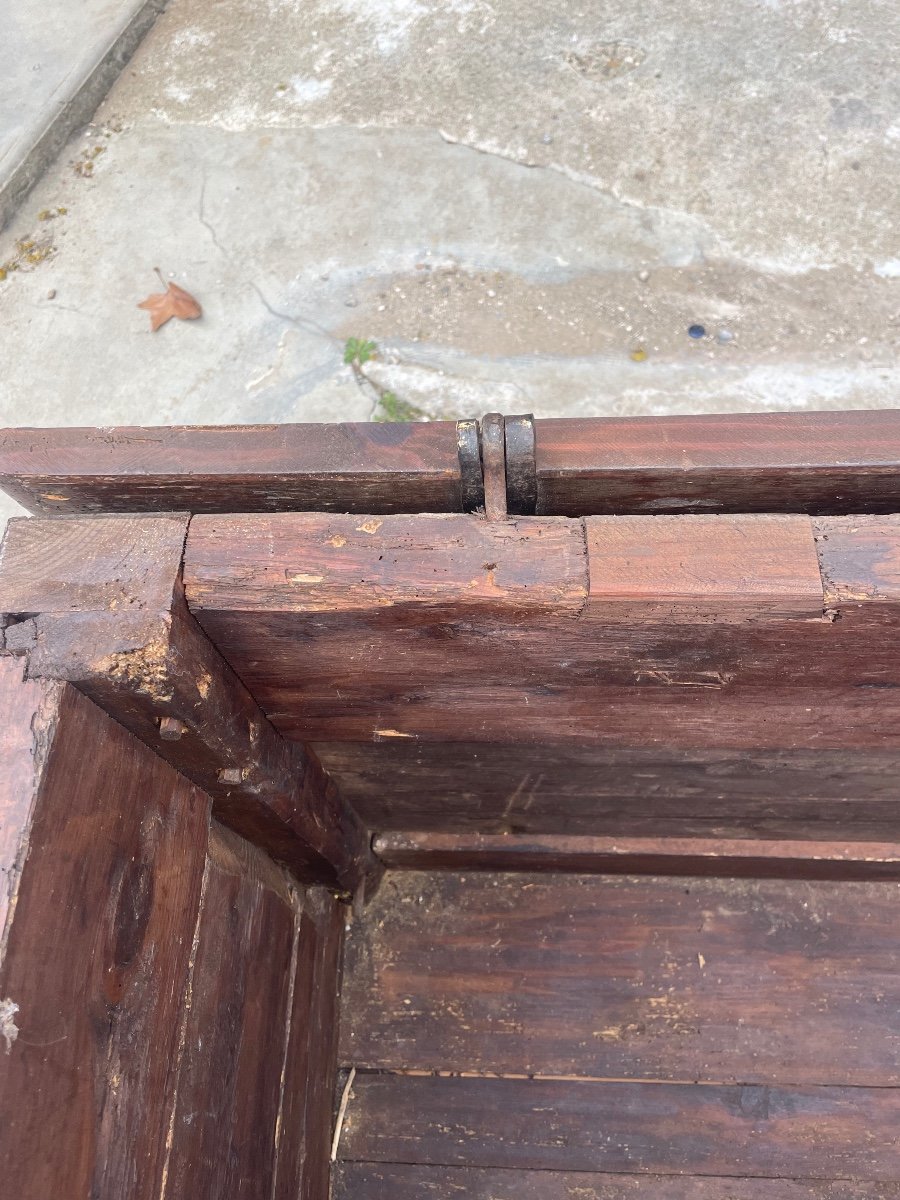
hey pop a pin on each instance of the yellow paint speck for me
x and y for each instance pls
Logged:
(371, 526)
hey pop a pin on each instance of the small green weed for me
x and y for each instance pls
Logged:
(358, 351)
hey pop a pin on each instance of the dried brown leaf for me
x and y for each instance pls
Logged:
(173, 302)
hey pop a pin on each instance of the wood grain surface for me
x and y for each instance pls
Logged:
(721, 981)
(401, 1181)
(819, 462)
(720, 858)
(97, 955)
(669, 1129)
(234, 468)
(103, 607)
(737, 674)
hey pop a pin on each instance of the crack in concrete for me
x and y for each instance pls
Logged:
(201, 216)
(580, 179)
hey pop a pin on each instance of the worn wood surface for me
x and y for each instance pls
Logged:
(826, 462)
(97, 951)
(401, 783)
(28, 713)
(456, 673)
(396, 1181)
(264, 977)
(710, 858)
(230, 1065)
(310, 1067)
(820, 462)
(238, 468)
(722, 981)
(702, 568)
(109, 615)
(558, 1125)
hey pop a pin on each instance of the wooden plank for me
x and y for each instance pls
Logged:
(709, 858)
(719, 569)
(371, 468)
(398, 783)
(721, 981)
(97, 950)
(310, 1069)
(417, 678)
(337, 565)
(405, 1181)
(816, 1133)
(110, 617)
(323, 1055)
(821, 462)
(223, 1131)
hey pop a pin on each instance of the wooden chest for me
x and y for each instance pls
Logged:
(407, 812)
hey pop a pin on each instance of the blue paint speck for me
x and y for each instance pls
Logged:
(696, 331)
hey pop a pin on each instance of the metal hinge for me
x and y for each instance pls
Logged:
(497, 465)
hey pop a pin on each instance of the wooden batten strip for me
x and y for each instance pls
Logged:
(362, 467)
(712, 858)
(819, 462)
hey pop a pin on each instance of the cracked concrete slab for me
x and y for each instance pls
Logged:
(526, 207)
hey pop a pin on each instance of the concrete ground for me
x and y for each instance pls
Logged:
(525, 205)
(60, 59)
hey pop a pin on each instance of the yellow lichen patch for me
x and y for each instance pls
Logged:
(29, 252)
(337, 541)
(370, 526)
(85, 165)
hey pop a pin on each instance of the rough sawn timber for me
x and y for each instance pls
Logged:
(98, 601)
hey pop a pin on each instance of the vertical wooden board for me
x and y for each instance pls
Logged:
(323, 1058)
(223, 1129)
(304, 1141)
(96, 963)
(28, 710)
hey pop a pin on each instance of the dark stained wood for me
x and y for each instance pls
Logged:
(313, 563)
(323, 1033)
(400, 1181)
(414, 654)
(310, 1066)
(109, 616)
(718, 569)
(230, 1064)
(371, 468)
(821, 462)
(723, 981)
(713, 858)
(97, 950)
(816, 1133)
(399, 783)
